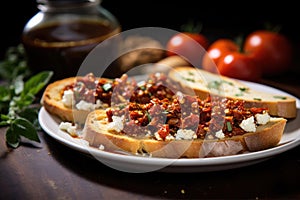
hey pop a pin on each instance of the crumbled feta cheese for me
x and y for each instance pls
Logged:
(185, 134)
(179, 96)
(67, 98)
(69, 128)
(248, 124)
(262, 118)
(141, 83)
(116, 124)
(220, 134)
(101, 147)
(157, 136)
(169, 137)
(83, 105)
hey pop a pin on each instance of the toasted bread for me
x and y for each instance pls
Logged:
(97, 133)
(52, 101)
(205, 83)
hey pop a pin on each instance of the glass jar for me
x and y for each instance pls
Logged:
(63, 32)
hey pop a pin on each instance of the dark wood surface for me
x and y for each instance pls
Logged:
(50, 170)
(53, 171)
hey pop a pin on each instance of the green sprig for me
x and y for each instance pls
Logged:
(17, 95)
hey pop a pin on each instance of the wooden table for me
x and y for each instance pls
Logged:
(51, 170)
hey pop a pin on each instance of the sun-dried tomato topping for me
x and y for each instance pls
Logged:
(91, 89)
(157, 107)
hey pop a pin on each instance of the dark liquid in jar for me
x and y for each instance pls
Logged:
(62, 47)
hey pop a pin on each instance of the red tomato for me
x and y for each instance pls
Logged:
(186, 44)
(224, 57)
(216, 51)
(271, 50)
(240, 66)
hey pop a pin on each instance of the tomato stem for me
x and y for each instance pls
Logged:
(273, 28)
(239, 40)
(191, 27)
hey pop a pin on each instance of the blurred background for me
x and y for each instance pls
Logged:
(223, 19)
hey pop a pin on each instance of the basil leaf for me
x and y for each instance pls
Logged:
(36, 83)
(4, 120)
(5, 94)
(25, 128)
(23, 101)
(31, 114)
(12, 138)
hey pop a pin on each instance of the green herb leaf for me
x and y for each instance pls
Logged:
(5, 94)
(36, 83)
(229, 127)
(107, 86)
(216, 84)
(165, 112)
(23, 127)
(31, 114)
(239, 94)
(188, 79)
(148, 116)
(16, 97)
(280, 97)
(4, 123)
(12, 138)
(243, 89)
(14, 64)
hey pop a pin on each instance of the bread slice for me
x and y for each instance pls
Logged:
(52, 101)
(205, 83)
(96, 132)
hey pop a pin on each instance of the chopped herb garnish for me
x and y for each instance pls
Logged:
(229, 127)
(243, 89)
(229, 83)
(148, 116)
(216, 84)
(165, 112)
(191, 73)
(239, 94)
(143, 87)
(107, 86)
(257, 99)
(121, 106)
(279, 97)
(188, 79)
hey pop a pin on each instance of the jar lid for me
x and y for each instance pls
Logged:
(65, 2)
(57, 4)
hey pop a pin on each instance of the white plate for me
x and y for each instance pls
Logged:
(139, 164)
